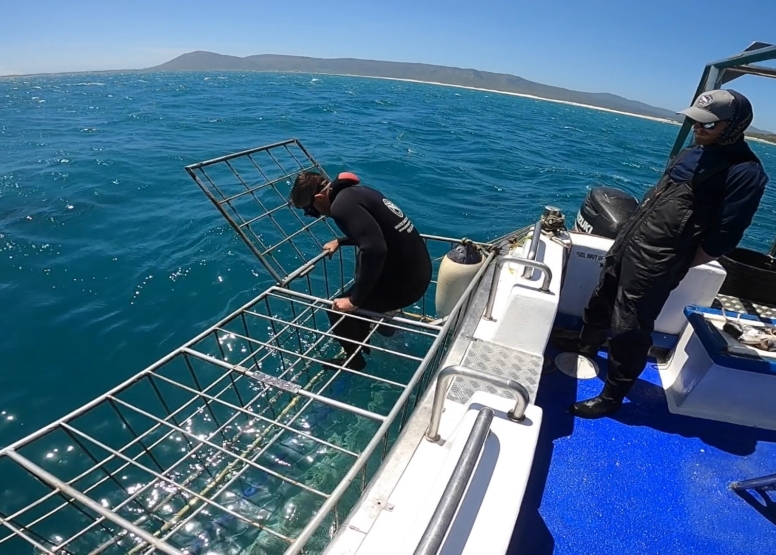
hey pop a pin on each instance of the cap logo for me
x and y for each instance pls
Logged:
(704, 100)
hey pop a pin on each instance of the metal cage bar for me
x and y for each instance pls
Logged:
(211, 396)
(220, 413)
(237, 193)
(341, 488)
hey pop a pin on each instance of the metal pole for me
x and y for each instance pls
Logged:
(545, 287)
(368, 315)
(55, 483)
(290, 387)
(447, 374)
(535, 239)
(246, 152)
(451, 498)
(767, 52)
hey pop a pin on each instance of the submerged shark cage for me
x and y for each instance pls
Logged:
(248, 438)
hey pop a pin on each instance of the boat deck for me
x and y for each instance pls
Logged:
(644, 480)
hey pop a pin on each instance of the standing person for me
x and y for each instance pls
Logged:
(393, 264)
(697, 212)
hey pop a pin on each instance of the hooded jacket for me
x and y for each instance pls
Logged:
(707, 197)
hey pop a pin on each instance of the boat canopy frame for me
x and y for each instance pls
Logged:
(723, 71)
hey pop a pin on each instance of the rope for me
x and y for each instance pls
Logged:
(553, 222)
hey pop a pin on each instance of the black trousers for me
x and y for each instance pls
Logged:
(627, 300)
(385, 297)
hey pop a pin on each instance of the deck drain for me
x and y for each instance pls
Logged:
(576, 366)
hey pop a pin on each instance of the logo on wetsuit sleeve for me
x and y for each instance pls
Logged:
(405, 224)
(393, 208)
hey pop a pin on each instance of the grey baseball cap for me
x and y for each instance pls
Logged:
(712, 106)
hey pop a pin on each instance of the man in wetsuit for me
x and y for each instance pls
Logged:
(394, 266)
(697, 212)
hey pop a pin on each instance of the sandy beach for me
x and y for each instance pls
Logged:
(662, 120)
(590, 106)
(523, 95)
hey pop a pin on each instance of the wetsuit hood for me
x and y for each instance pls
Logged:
(340, 184)
(740, 120)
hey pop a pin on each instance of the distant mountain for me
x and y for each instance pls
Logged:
(210, 61)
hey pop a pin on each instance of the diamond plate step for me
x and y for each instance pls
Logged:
(497, 360)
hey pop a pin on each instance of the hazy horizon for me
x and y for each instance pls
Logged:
(647, 52)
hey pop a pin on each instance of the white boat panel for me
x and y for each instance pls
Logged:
(585, 260)
(492, 501)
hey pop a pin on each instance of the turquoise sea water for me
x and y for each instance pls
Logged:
(111, 256)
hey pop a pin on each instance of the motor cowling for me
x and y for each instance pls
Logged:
(604, 211)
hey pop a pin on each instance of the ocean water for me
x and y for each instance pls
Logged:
(111, 256)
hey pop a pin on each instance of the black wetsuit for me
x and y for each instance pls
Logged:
(706, 197)
(393, 268)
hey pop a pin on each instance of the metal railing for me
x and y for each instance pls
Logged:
(723, 71)
(198, 438)
(440, 521)
(536, 238)
(202, 449)
(443, 381)
(398, 407)
(541, 266)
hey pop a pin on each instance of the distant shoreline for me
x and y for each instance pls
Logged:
(495, 91)
(523, 95)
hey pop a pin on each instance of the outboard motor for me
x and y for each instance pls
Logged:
(604, 211)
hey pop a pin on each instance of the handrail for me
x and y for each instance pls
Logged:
(544, 288)
(535, 240)
(448, 373)
(443, 515)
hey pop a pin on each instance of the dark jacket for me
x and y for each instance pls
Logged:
(392, 256)
(706, 197)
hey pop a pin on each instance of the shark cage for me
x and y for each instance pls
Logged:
(247, 439)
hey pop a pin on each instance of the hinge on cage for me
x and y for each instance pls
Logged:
(274, 382)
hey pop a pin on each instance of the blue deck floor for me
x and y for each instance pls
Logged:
(643, 480)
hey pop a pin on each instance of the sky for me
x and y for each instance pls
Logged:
(652, 51)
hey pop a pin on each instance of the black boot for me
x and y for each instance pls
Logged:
(602, 405)
(574, 345)
(386, 331)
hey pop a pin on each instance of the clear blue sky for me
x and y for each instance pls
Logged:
(647, 50)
